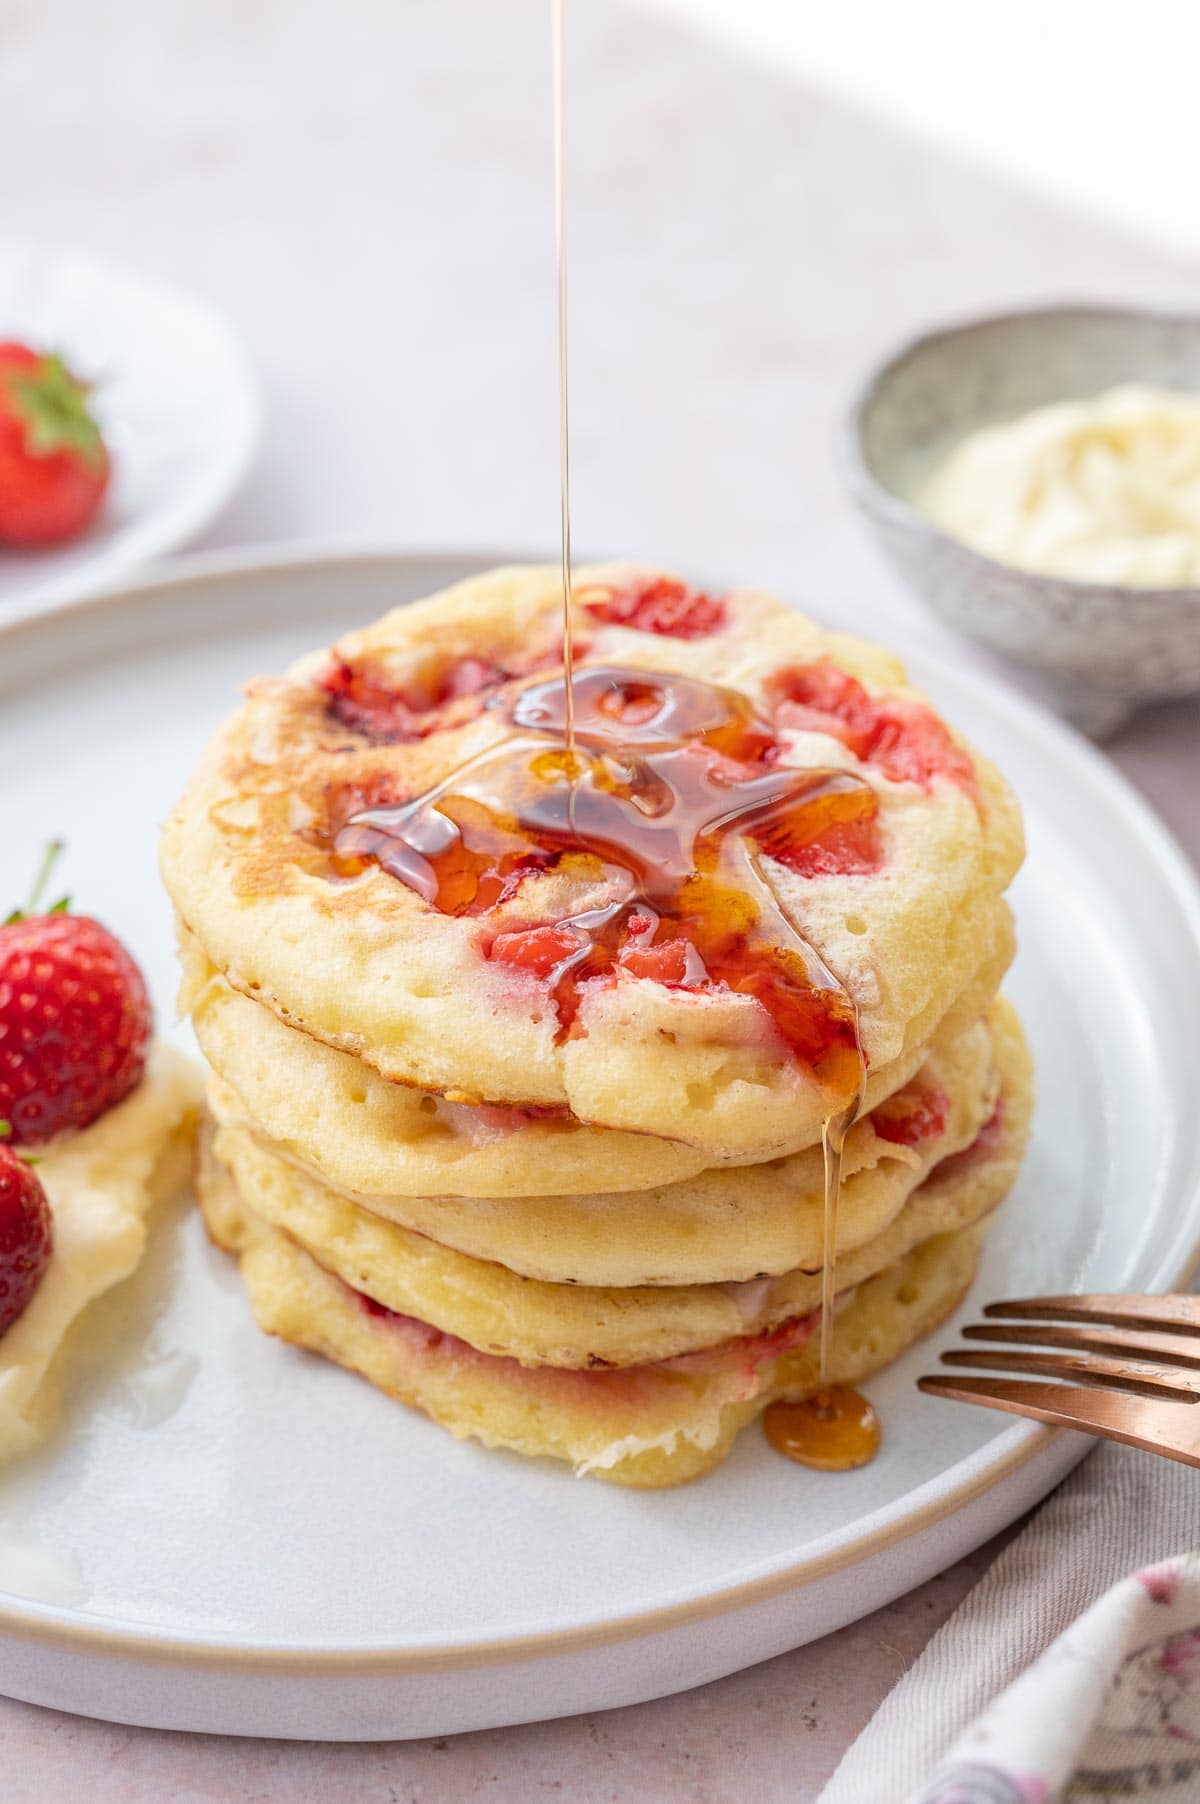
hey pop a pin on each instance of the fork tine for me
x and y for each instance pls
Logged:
(1178, 1315)
(1154, 1426)
(1131, 1343)
(1146, 1381)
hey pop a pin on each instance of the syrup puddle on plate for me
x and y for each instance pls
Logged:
(834, 1430)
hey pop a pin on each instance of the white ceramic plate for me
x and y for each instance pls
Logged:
(175, 395)
(286, 1552)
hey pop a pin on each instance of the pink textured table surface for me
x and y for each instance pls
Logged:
(378, 178)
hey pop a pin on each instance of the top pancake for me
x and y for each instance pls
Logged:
(363, 1134)
(366, 965)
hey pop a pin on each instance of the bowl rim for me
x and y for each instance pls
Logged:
(875, 496)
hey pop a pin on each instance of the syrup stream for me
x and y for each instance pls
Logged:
(558, 9)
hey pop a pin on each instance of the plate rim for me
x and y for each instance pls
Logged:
(972, 1477)
(219, 480)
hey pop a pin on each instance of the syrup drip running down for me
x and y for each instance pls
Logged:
(833, 1144)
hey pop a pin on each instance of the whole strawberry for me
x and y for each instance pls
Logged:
(75, 1022)
(26, 1235)
(54, 467)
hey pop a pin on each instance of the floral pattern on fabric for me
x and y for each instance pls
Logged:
(1110, 1712)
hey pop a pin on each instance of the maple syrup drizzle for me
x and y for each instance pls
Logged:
(838, 1123)
(558, 8)
(660, 791)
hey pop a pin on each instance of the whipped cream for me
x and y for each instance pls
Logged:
(1101, 490)
(101, 1184)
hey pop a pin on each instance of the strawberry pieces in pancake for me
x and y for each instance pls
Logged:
(658, 604)
(913, 1114)
(905, 739)
(370, 704)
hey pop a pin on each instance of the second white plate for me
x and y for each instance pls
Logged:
(176, 397)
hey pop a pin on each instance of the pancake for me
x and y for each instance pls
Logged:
(648, 1426)
(363, 1134)
(363, 963)
(724, 1227)
(102, 1183)
(574, 1325)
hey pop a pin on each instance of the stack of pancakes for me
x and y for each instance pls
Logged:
(601, 1239)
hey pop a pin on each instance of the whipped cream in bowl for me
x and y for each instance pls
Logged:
(1035, 479)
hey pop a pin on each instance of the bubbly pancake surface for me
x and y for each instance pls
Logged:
(365, 964)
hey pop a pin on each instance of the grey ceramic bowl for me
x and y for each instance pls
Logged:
(1106, 647)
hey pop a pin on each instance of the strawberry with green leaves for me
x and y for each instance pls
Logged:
(54, 466)
(75, 1020)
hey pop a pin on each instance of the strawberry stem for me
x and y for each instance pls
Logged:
(53, 405)
(49, 859)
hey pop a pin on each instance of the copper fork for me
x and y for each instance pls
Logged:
(1127, 1368)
